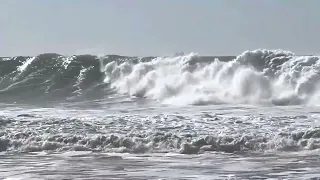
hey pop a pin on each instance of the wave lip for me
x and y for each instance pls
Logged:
(260, 76)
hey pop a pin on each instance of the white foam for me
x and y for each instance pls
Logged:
(258, 76)
(26, 64)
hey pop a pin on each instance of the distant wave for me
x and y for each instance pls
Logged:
(260, 76)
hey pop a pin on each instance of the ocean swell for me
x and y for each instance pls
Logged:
(274, 77)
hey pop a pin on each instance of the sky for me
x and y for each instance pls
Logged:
(158, 27)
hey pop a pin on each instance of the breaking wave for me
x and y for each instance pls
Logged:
(254, 77)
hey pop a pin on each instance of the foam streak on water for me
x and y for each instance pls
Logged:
(154, 166)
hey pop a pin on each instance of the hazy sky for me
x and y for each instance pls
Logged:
(158, 27)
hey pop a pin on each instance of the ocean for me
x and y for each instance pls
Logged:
(251, 116)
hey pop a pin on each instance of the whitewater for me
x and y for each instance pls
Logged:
(251, 116)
